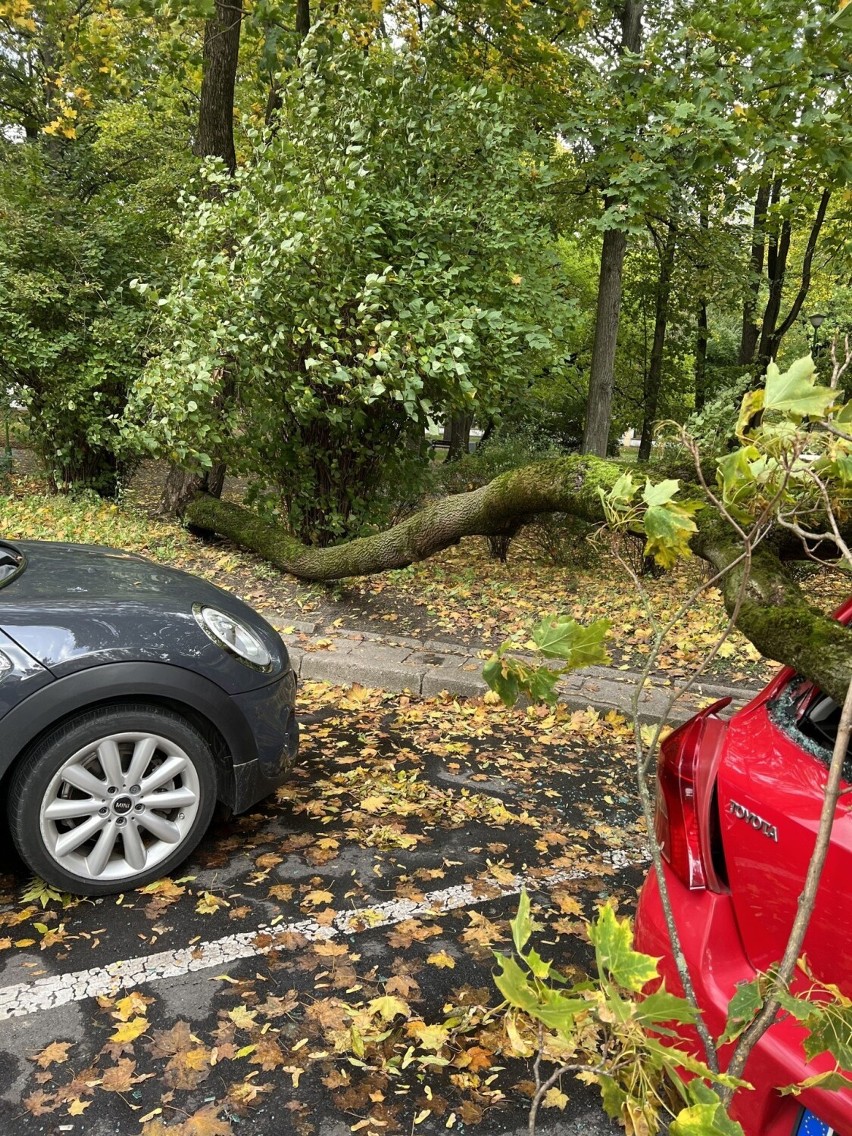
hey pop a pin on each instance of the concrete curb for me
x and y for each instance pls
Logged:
(433, 666)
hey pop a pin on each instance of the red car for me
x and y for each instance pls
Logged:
(737, 814)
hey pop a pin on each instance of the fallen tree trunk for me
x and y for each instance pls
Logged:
(771, 609)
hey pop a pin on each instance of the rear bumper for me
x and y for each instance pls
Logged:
(270, 715)
(717, 962)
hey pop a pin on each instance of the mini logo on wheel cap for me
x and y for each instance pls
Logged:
(122, 805)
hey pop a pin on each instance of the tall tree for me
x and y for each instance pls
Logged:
(602, 374)
(214, 139)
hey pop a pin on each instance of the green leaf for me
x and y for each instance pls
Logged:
(831, 1079)
(742, 1008)
(522, 923)
(612, 939)
(548, 1006)
(796, 392)
(621, 494)
(751, 405)
(661, 492)
(668, 531)
(704, 1118)
(830, 1027)
(661, 1007)
(578, 646)
(502, 678)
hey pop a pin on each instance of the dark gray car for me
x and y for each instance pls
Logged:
(133, 697)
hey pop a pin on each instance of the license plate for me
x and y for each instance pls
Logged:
(810, 1125)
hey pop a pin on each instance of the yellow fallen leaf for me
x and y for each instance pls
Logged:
(129, 1031)
(442, 959)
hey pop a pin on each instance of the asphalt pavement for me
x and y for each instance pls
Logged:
(249, 995)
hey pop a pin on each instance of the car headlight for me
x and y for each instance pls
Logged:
(233, 636)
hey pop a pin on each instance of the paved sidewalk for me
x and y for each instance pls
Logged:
(430, 666)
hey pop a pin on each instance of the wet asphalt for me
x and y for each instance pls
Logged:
(391, 803)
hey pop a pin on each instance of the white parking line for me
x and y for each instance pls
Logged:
(57, 990)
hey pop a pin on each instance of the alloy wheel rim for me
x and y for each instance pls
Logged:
(120, 806)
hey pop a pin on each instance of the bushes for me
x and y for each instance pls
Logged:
(381, 257)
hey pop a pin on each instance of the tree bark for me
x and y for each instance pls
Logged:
(215, 137)
(771, 339)
(654, 375)
(602, 373)
(457, 434)
(773, 613)
(748, 338)
(702, 336)
(702, 332)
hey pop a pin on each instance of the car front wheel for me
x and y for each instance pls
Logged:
(112, 799)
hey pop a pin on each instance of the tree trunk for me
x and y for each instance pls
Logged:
(182, 486)
(654, 375)
(772, 336)
(303, 26)
(458, 435)
(602, 373)
(773, 614)
(215, 136)
(702, 335)
(700, 372)
(748, 338)
(215, 139)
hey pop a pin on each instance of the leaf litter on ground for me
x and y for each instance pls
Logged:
(394, 797)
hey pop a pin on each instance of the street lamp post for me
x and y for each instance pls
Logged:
(816, 322)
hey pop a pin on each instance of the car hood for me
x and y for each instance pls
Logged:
(74, 606)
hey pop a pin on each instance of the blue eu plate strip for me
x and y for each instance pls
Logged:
(810, 1125)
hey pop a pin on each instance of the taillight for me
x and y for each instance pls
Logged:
(683, 776)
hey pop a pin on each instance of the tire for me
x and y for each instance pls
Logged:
(83, 825)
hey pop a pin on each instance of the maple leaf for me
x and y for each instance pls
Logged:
(388, 1007)
(133, 1003)
(328, 949)
(432, 1037)
(54, 1054)
(206, 1122)
(482, 931)
(120, 1077)
(476, 1059)
(209, 903)
(166, 1043)
(188, 1068)
(165, 888)
(441, 959)
(243, 1017)
(283, 892)
(403, 985)
(275, 1007)
(267, 1055)
(554, 1098)
(77, 1107)
(39, 1103)
(128, 1031)
(317, 897)
(241, 1094)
